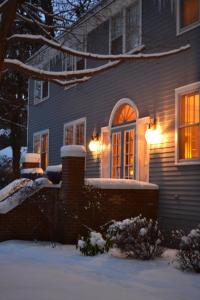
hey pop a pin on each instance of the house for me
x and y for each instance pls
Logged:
(139, 120)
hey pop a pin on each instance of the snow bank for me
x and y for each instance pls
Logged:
(54, 169)
(22, 193)
(73, 151)
(30, 158)
(5, 132)
(6, 152)
(61, 273)
(120, 184)
(32, 171)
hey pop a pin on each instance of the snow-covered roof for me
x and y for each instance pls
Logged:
(121, 184)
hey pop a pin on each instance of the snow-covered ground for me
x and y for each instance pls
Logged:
(30, 271)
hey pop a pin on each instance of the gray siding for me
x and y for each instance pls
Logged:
(151, 85)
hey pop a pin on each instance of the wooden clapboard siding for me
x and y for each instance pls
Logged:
(151, 85)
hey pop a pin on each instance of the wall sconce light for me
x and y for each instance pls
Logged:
(95, 144)
(153, 133)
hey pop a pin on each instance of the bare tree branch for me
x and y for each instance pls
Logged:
(15, 64)
(67, 50)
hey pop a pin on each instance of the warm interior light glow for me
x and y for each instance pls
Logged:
(153, 135)
(95, 145)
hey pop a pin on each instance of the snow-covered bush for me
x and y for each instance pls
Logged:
(188, 256)
(137, 237)
(92, 245)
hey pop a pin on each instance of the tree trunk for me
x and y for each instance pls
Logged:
(16, 160)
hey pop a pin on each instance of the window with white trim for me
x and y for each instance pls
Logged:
(75, 132)
(41, 89)
(188, 126)
(125, 29)
(41, 146)
(188, 14)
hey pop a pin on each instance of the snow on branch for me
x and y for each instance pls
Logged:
(70, 82)
(67, 50)
(50, 75)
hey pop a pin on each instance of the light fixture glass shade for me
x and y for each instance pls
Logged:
(153, 136)
(94, 145)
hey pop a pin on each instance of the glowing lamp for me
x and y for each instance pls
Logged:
(153, 135)
(94, 144)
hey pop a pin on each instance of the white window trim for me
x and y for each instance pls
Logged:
(179, 92)
(180, 30)
(74, 123)
(40, 133)
(36, 102)
(124, 29)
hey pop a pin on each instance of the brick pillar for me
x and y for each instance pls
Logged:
(73, 173)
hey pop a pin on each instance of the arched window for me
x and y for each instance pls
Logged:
(125, 114)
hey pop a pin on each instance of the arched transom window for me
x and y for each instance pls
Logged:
(124, 114)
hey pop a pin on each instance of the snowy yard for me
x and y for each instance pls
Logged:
(30, 271)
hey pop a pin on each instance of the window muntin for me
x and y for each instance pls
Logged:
(189, 127)
(189, 12)
(74, 133)
(41, 146)
(124, 114)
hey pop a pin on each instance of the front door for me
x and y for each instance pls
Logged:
(123, 152)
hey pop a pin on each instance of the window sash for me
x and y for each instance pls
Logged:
(116, 155)
(189, 126)
(74, 134)
(41, 146)
(189, 12)
(125, 29)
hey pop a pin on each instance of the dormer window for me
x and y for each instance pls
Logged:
(117, 34)
(189, 14)
(41, 88)
(125, 29)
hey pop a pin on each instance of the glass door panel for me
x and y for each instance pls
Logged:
(116, 155)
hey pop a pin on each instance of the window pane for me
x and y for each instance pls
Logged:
(129, 154)
(45, 89)
(189, 110)
(80, 128)
(80, 64)
(37, 91)
(189, 12)
(116, 155)
(132, 26)
(69, 135)
(36, 144)
(116, 34)
(189, 142)
(124, 114)
(44, 151)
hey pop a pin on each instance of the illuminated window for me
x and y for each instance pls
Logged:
(116, 155)
(189, 12)
(74, 132)
(124, 114)
(189, 126)
(129, 136)
(41, 146)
